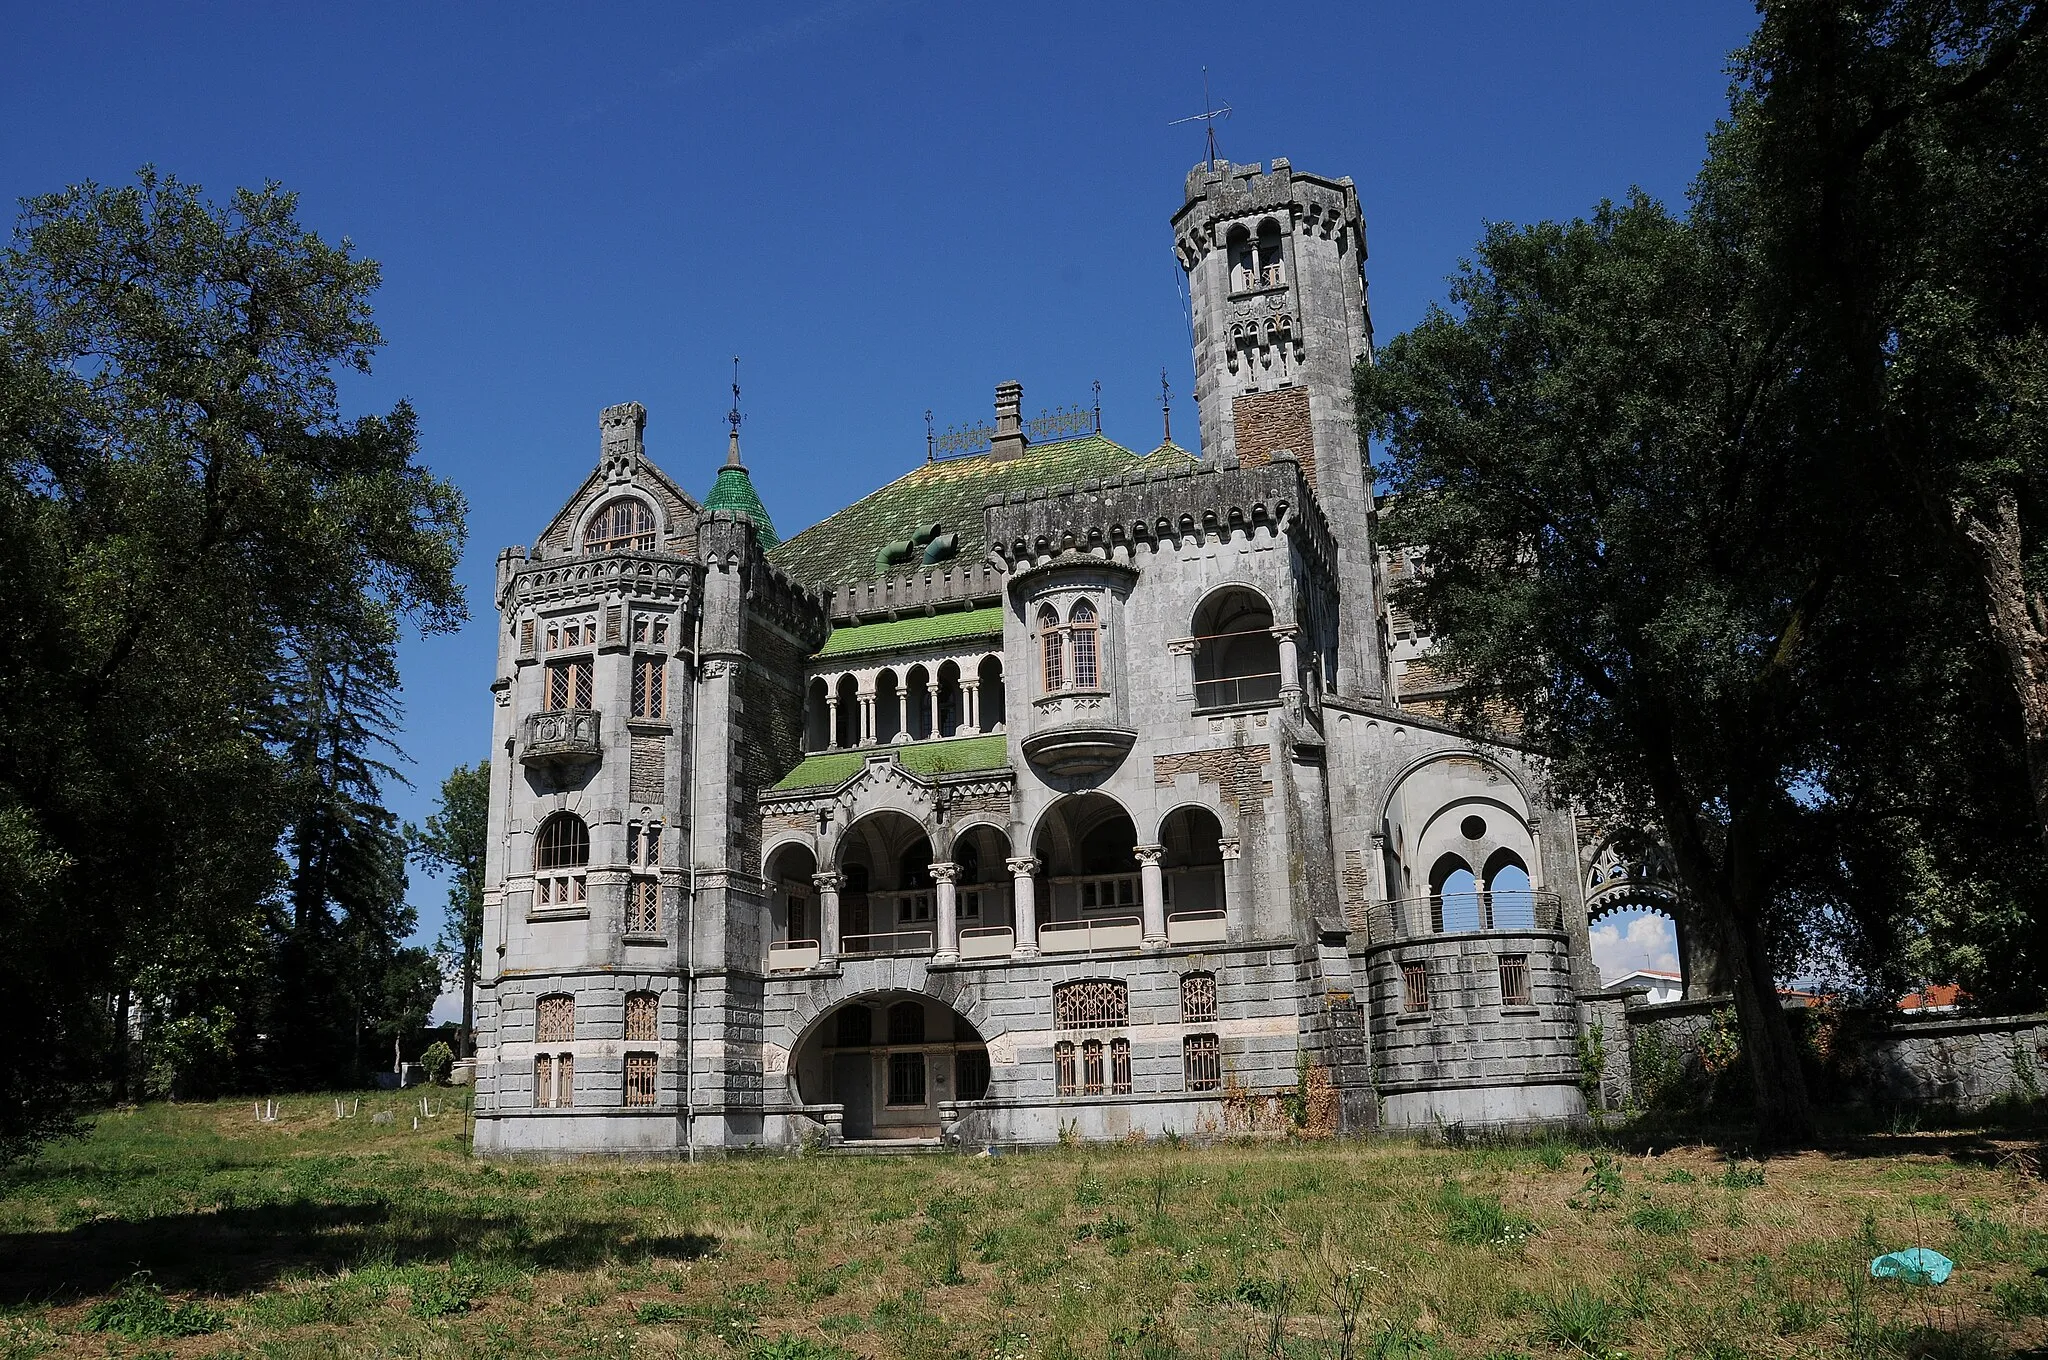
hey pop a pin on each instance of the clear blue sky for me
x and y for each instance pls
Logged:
(883, 207)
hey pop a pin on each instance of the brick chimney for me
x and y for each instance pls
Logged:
(1009, 440)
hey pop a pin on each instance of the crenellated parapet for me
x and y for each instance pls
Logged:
(1158, 508)
(727, 543)
(524, 582)
(925, 590)
(1222, 193)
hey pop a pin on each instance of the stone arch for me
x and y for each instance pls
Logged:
(1191, 863)
(1631, 875)
(991, 699)
(604, 498)
(847, 731)
(888, 707)
(1237, 658)
(1454, 803)
(787, 868)
(817, 715)
(882, 842)
(871, 1071)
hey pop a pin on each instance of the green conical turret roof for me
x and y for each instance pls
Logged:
(734, 491)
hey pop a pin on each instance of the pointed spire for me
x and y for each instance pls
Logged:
(734, 418)
(733, 490)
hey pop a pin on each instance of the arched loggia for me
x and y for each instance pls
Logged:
(889, 1060)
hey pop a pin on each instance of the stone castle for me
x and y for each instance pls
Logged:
(1051, 790)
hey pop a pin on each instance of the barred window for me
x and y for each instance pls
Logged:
(640, 1077)
(1053, 650)
(643, 1016)
(526, 637)
(565, 1080)
(906, 1078)
(1081, 627)
(568, 685)
(1091, 1068)
(856, 1027)
(1197, 997)
(544, 1080)
(1514, 979)
(555, 1022)
(1201, 1062)
(650, 687)
(970, 1073)
(643, 907)
(1414, 988)
(1119, 1067)
(1063, 1082)
(906, 1022)
(626, 524)
(1098, 1003)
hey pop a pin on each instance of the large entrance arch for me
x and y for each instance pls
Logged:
(890, 1059)
(886, 901)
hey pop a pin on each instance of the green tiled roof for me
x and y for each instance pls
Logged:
(840, 548)
(734, 490)
(916, 631)
(957, 756)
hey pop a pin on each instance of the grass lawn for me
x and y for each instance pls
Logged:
(195, 1230)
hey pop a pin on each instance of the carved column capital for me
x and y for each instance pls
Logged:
(1148, 854)
(945, 871)
(1024, 866)
(831, 882)
(1228, 846)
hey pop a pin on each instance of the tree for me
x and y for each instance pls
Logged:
(456, 842)
(182, 501)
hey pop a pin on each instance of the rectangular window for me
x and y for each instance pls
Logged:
(1514, 979)
(650, 687)
(640, 1076)
(544, 1081)
(643, 845)
(970, 904)
(1202, 1062)
(799, 917)
(1414, 988)
(1119, 1067)
(642, 626)
(1091, 1068)
(661, 630)
(916, 909)
(1055, 663)
(1063, 1082)
(906, 1078)
(1085, 676)
(565, 1080)
(643, 907)
(568, 685)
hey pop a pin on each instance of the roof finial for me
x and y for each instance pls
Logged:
(734, 418)
(1098, 405)
(1166, 405)
(1209, 114)
(931, 450)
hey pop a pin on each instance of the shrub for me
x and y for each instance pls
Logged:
(438, 1061)
(140, 1311)
(444, 1293)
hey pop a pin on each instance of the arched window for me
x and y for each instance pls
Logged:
(906, 1022)
(1119, 1067)
(1244, 272)
(1270, 273)
(1081, 624)
(1097, 1003)
(1197, 997)
(555, 1019)
(623, 525)
(1052, 643)
(643, 1014)
(1091, 1067)
(560, 852)
(1237, 658)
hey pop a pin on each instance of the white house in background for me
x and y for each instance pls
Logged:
(1663, 986)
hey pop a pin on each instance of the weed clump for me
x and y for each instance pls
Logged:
(1480, 1220)
(140, 1311)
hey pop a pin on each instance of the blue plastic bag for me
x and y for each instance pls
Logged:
(1914, 1265)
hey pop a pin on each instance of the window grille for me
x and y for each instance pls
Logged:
(1119, 1067)
(906, 1078)
(1197, 997)
(1091, 1068)
(970, 1074)
(640, 1078)
(1514, 979)
(526, 637)
(612, 623)
(643, 907)
(643, 845)
(1081, 624)
(544, 1080)
(643, 1014)
(643, 627)
(906, 1022)
(556, 1021)
(1414, 988)
(1063, 1068)
(624, 525)
(568, 685)
(1099, 1003)
(565, 1080)
(563, 843)
(856, 1027)
(1202, 1062)
(660, 630)
(650, 687)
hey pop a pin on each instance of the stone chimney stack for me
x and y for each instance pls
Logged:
(1009, 440)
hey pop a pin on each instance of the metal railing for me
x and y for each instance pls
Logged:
(1085, 937)
(1231, 691)
(987, 942)
(792, 956)
(1195, 927)
(1245, 279)
(888, 942)
(1466, 913)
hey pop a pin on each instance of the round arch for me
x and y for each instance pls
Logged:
(587, 519)
(888, 1059)
(885, 895)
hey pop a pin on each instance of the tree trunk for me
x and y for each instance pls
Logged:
(2017, 623)
(1783, 1113)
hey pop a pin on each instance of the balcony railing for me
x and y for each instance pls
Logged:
(1195, 927)
(1087, 937)
(792, 956)
(1466, 913)
(1244, 279)
(1232, 691)
(987, 942)
(888, 942)
(563, 737)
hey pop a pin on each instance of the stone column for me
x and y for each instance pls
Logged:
(1290, 661)
(828, 886)
(946, 910)
(1234, 891)
(1153, 890)
(1183, 653)
(970, 706)
(832, 720)
(1024, 903)
(867, 718)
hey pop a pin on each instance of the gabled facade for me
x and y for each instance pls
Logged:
(1051, 787)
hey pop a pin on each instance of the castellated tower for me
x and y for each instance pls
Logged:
(1276, 275)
